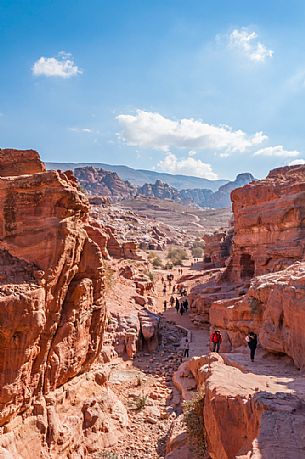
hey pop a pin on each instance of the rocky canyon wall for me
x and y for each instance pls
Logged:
(52, 310)
(269, 223)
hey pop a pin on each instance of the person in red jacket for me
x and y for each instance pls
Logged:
(215, 339)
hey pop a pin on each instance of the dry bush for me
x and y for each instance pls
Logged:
(176, 255)
(193, 419)
(141, 401)
(255, 305)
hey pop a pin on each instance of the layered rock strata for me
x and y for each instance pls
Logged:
(269, 224)
(246, 414)
(217, 248)
(19, 162)
(274, 308)
(52, 310)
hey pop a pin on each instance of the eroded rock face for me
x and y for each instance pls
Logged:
(274, 308)
(51, 285)
(76, 420)
(268, 236)
(217, 248)
(269, 225)
(19, 162)
(104, 183)
(249, 415)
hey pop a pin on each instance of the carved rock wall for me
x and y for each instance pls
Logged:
(51, 285)
(269, 223)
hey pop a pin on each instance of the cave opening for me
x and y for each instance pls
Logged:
(247, 266)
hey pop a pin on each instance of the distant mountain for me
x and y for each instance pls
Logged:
(100, 182)
(140, 177)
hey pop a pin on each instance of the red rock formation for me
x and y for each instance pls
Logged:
(19, 162)
(217, 248)
(99, 235)
(274, 308)
(248, 415)
(269, 224)
(269, 232)
(104, 183)
(52, 310)
(121, 249)
(76, 420)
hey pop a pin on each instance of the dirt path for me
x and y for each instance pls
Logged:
(145, 384)
(199, 344)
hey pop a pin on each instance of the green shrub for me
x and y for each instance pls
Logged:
(198, 244)
(157, 262)
(106, 455)
(176, 255)
(193, 419)
(141, 401)
(197, 252)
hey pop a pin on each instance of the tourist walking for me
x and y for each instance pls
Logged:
(216, 339)
(165, 305)
(174, 289)
(185, 305)
(181, 309)
(186, 348)
(177, 305)
(164, 290)
(172, 301)
(252, 343)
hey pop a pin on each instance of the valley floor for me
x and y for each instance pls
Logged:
(145, 385)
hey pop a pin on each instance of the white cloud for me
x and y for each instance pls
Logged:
(246, 42)
(296, 162)
(62, 66)
(186, 166)
(76, 129)
(277, 151)
(152, 130)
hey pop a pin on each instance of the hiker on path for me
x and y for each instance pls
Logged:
(164, 290)
(177, 305)
(252, 343)
(172, 301)
(216, 339)
(185, 305)
(186, 348)
(174, 289)
(165, 305)
(181, 309)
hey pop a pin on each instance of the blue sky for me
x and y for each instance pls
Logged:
(209, 88)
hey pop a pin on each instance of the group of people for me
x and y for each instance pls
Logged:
(180, 288)
(181, 305)
(251, 339)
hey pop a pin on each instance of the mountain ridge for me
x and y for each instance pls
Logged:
(100, 182)
(140, 177)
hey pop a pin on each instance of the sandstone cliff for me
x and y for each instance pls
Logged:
(52, 310)
(269, 223)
